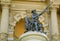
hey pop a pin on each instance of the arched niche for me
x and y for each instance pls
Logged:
(19, 28)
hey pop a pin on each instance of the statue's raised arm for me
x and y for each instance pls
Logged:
(44, 10)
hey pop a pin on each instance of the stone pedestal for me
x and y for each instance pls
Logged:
(33, 36)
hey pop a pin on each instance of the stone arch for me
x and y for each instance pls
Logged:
(15, 19)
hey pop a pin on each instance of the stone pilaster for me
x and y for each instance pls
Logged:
(4, 20)
(54, 24)
(4, 23)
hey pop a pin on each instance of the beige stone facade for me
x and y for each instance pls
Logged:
(12, 13)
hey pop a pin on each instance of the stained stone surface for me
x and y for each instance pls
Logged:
(33, 36)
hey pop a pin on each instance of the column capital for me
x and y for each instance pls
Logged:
(54, 6)
(5, 2)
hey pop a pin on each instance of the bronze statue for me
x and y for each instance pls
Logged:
(33, 24)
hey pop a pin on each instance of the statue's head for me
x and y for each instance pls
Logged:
(33, 11)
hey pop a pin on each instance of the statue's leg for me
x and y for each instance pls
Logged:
(36, 26)
(40, 26)
(29, 28)
(40, 29)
